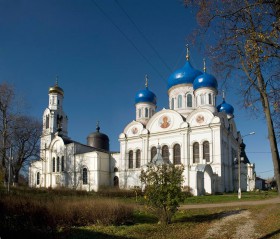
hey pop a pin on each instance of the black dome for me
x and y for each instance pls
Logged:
(98, 140)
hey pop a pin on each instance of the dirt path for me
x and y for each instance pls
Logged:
(232, 204)
(241, 221)
(246, 229)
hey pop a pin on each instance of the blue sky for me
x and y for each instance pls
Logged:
(101, 51)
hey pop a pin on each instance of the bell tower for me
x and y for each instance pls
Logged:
(55, 121)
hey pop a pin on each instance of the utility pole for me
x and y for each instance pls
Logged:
(9, 169)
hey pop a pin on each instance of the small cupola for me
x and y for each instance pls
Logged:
(205, 80)
(145, 104)
(205, 90)
(145, 95)
(225, 107)
(56, 89)
(98, 140)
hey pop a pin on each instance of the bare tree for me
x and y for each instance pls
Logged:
(6, 101)
(25, 143)
(19, 134)
(243, 42)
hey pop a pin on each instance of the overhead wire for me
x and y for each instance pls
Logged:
(144, 36)
(127, 38)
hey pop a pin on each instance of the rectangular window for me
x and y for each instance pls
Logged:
(62, 164)
(53, 165)
(57, 164)
(210, 99)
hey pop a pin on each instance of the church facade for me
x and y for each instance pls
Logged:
(194, 131)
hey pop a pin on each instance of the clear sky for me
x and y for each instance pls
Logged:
(101, 51)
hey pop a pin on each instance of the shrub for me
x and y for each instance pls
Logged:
(163, 190)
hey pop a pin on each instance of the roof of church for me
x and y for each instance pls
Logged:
(56, 89)
(205, 80)
(225, 107)
(184, 75)
(145, 96)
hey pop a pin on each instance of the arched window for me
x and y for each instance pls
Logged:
(206, 154)
(196, 153)
(62, 164)
(189, 100)
(153, 152)
(47, 121)
(138, 158)
(85, 176)
(165, 153)
(172, 103)
(210, 99)
(116, 181)
(177, 154)
(146, 112)
(38, 178)
(116, 169)
(179, 101)
(57, 164)
(53, 164)
(130, 159)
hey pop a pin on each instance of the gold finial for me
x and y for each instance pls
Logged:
(204, 65)
(56, 80)
(187, 56)
(97, 126)
(146, 83)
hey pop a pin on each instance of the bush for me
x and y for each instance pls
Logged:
(163, 191)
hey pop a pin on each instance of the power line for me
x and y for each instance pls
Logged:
(144, 36)
(258, 152)
(127, 38)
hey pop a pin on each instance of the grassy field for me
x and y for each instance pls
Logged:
(231, 197)
(81, 215)
(193, 223)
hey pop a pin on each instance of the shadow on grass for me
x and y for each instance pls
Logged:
(79, 233)
(271, 234)
(140, 218)
(206, 217)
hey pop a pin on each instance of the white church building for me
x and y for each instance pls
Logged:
(193, 131)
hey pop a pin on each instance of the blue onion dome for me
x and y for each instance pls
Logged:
(205, 80)
(225, 107)
(185, 75)
(145, 95)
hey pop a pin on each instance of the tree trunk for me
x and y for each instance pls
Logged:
(271, 131)
(273, 145)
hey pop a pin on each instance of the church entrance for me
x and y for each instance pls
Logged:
(204, 179)
(116, 182)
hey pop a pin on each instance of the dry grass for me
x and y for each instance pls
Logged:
(67, 214)
(44, 216)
